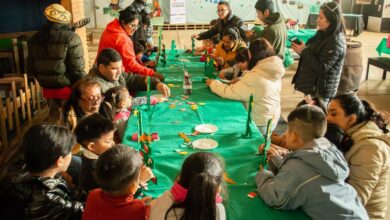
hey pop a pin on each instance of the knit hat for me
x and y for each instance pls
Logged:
(58, 14)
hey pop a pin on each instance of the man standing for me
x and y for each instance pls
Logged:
(56, 58)
(275, 31)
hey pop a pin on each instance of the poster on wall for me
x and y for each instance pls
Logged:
(177, 12)
(104, 11)
(386, 9)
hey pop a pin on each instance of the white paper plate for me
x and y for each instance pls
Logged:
(206, 128)
(204, 144)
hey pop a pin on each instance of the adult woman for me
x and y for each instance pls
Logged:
(86, 98)
(226, 51)
(369, 155)
(117, 36)
(262, 80)
(226, 20)
(322, 57)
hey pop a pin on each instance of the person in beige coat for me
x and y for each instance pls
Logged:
(262, 80)
(369, 154)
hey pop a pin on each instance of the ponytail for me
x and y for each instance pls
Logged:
(380, 119)
(201, 175)
(200, 202)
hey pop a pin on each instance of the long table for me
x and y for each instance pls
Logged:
(237, 152)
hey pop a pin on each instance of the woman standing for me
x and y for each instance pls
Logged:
(226, 20)
(117, 35)
(369, 155)
(322, 57)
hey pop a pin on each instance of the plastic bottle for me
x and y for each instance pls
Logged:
(187, 83)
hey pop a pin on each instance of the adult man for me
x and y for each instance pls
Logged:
(275, 32)
(109, 73)
(56, 58)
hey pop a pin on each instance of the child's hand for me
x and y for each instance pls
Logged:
(196, 36)
(145, 175)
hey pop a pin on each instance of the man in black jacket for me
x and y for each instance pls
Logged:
(56, 58)
(226, 20)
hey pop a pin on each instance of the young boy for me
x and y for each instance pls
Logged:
(96, 135)
(41, 193)
(312, 176)
(118, 172)
(140, 56)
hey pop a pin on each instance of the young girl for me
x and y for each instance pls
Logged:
(208, 45)
(121, 102)
(195, 194)
(236, 71)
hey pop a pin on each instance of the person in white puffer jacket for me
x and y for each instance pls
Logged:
(262, 80)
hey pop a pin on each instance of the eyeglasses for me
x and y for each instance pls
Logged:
(93, 100)
(327, 6)
(222, 10)
(134, 26)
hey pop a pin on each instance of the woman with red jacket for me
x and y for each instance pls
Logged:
(117, 36)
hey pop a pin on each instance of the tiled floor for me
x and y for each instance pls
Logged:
(374, 90)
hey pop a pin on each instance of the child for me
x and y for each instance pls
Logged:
(242, 62)
(207, 45)
(95, 134)
(139, 51)
(122, 102)
(313, 175)
(118, 172)
(41, 193)
(195, 195)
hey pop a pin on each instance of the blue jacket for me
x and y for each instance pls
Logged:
(312, 178)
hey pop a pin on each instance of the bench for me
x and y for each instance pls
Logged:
(380, 62)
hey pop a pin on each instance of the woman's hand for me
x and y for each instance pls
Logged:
(298, 48)
(222, 75)
(209, 81)
(163, 89)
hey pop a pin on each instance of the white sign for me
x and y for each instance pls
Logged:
(177, 11)
(386, 9)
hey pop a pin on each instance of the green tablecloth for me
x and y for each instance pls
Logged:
(237, 152)
(382, 47)
(302, 34)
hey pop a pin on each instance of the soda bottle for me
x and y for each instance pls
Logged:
(187, 83)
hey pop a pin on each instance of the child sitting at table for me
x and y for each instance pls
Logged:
(236, 71)
(312, 176)
(119, 172)
(121, 102)
(139, 51)
(196, 192)
(208, 45)
(95, 134)
(42, 193)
